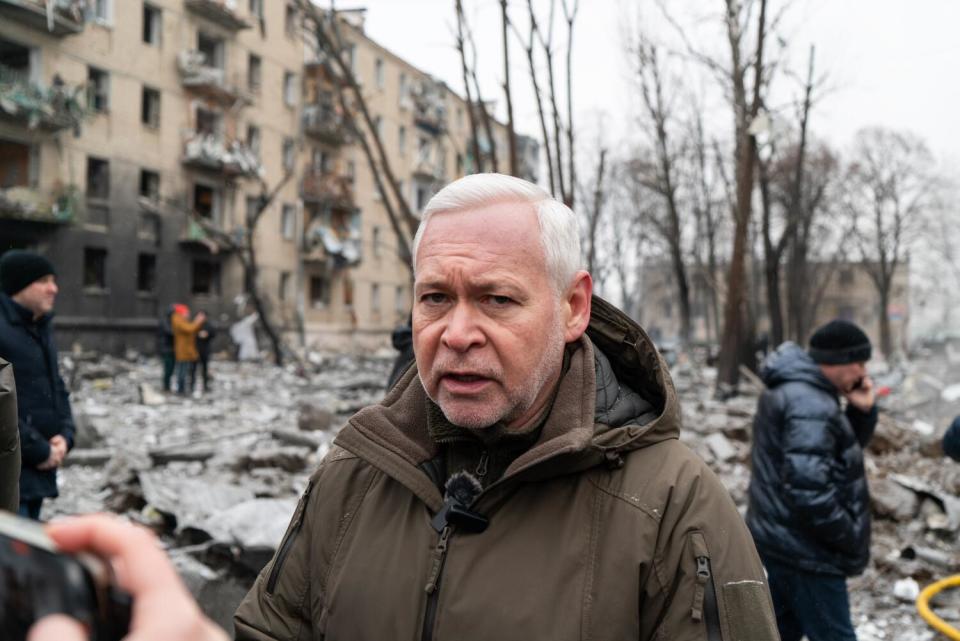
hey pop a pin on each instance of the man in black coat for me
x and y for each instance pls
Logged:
(809, 506)
(45, 421)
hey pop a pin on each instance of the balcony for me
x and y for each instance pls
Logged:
(430, 164)
(49, 109)
(212, 153)
(429, 106)
(222, 12)
(194, 235)
(327, 188)
(326, 123)
(197, 74)
(334, 239)
(58, 17)
(31, 205)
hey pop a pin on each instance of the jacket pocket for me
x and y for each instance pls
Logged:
(704, 607)
(288, 540)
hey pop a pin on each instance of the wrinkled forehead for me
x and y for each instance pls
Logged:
(508, 230)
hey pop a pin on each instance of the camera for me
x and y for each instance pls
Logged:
(37, 580)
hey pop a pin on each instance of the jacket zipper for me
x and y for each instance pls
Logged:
(710, 610)
(288, 541)
(433, 584)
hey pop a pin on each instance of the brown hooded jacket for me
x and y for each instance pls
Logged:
(598, 531)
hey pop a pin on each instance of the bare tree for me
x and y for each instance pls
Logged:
(735, 347)
(888, 192)
(595, 211)
(511, 130)
(659, 175)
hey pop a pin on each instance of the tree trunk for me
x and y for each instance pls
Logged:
(511, 131)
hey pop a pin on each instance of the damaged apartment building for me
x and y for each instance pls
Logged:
(125, 123)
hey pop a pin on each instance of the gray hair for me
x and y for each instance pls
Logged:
(559, 235)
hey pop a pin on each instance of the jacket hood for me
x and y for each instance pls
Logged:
(636, 398)
(790, 363)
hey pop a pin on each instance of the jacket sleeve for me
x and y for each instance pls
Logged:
(709, 584)
(809, 476)
(9, 441)
(68, 428)
(34, 448)
(863, 423)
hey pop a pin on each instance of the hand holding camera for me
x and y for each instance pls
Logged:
(162, 608)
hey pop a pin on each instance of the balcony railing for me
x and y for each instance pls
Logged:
(58, 17)
(334, 238)
(46, 108)
(429, 107)
(198, 74)
(32, 205)
(193, 233)
(213, 153)
(325, 123)
(223, 12)
(327, 188)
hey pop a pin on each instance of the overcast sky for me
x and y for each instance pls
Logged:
(887, 62)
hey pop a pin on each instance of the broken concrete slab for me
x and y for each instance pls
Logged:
(892, 500)
(150, 396)
(88, 456)
(190, 500)
(252, 523)
(721, 447)
(290, 459)
(182, 454)
(314, 418)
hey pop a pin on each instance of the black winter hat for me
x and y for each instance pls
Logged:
(19, 268)
(839, 342)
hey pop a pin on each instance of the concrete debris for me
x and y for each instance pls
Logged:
(83, 456)
(906, 590)
(289, 459)
(185, 454)
(149, 396)
(313, 417)
(721, 447)
(892, 500)
(254, 523)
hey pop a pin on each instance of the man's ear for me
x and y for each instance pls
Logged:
(576, 306)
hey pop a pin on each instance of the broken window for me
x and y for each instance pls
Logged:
(150, 108)
(146, 273)
(14, 63)
(254, 73)
(98, 178)
(284, 285)
(15, 162)
(206, 202)
(375, 299)
(400, 301)
(98, 88)
(253, 207)
(253, 139)
(290, 21)
(319, 292)
(211, 48)
(404, 91)
(289, 88)
(208, 122)
(378, 73)
(148, 227)
(288, 222)
(94, 268)
(150, 185)
(152, 24)
(322, 161)
(101, 11)
(289, 154)
(205, 278)
(402, 140)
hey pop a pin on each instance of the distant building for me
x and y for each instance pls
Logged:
(848, 292)
(120, 118)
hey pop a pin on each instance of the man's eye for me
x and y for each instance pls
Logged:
(500, 300)
(434, 298)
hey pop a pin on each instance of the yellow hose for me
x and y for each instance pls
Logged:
(923, 606)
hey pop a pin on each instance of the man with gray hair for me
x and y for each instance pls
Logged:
(523, 478)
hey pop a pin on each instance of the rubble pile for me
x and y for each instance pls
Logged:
(218, 476)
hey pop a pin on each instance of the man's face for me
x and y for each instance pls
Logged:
(488, 322)
(39, 296)
(845, 377)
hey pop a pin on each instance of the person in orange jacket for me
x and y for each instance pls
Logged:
(185, 345)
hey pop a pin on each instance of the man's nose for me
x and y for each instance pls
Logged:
(462, 331)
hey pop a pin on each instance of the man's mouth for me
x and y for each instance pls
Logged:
(463, 382)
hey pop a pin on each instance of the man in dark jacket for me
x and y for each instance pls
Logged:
(951, 440)
(165, 345)
(46, 424)
(809, 508)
